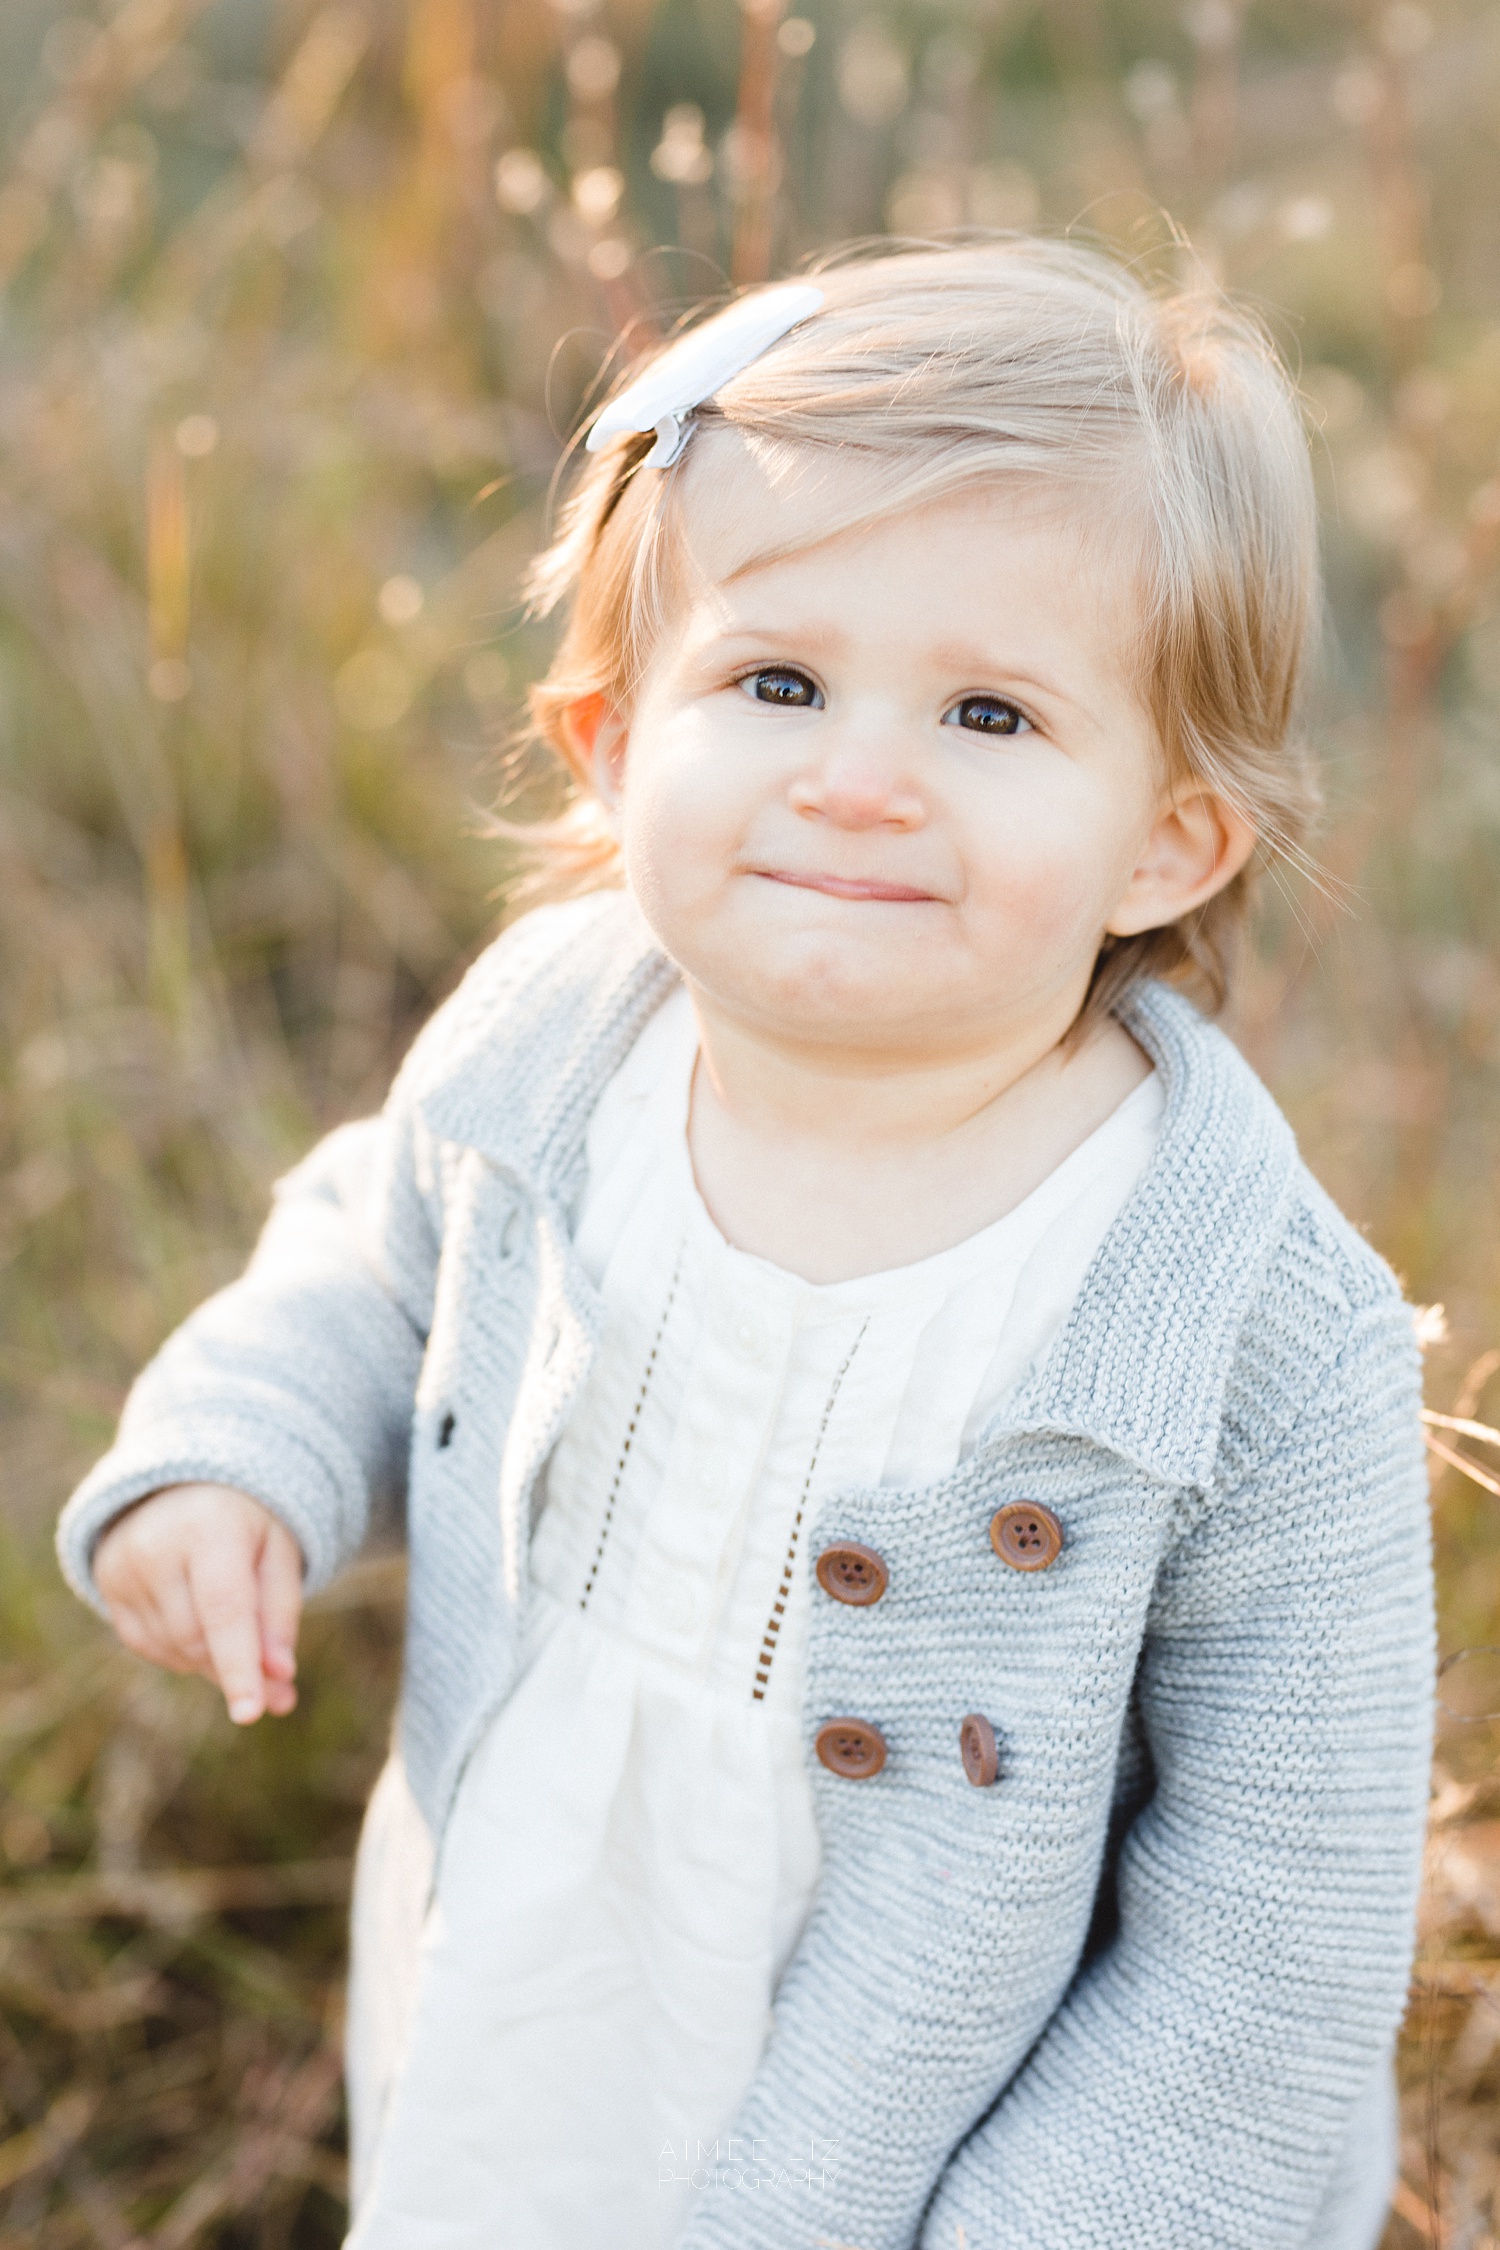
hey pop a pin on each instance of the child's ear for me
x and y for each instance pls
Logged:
(595, 734)
(1199, 843)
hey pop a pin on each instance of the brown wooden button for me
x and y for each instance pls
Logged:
(1026, 1535)
(851, 1748)
(976, 1744)
(851, 1573)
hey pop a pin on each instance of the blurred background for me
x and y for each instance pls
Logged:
(299, 304)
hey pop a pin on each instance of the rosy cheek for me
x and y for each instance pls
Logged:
(667, 818)
(692, 791)
(679, 834)
(1053, 883)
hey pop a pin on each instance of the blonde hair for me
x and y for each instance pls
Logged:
(1013, 357)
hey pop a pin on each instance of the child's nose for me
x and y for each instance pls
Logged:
(857, 787)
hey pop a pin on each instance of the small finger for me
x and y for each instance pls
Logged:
(280, 1603)
(141, 1634)
(226, 1598)
(136, 1632)
(137, 1614)
(174, 1615)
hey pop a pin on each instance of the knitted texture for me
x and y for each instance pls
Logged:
(1141, 1990)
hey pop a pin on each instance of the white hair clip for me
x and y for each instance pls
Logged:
(700, 363)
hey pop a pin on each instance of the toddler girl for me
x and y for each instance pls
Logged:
(916, 1699)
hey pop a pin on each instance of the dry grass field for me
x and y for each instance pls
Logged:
(299, 302)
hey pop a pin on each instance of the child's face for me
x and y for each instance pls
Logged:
(892, 790)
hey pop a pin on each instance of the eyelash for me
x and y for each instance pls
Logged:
(995, 703)
(814, 702)
(747, 681)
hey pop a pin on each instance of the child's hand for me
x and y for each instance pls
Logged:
(201, 1578)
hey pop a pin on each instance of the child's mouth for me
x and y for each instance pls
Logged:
(849, 886)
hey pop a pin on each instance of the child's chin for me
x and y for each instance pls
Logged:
(841, 982)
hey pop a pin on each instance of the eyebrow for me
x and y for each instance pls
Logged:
(774, 640)
(977, 664)
(810, 637)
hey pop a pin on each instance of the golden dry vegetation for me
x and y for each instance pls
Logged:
(299, 301)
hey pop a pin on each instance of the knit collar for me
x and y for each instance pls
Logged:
(514, 1064)
(1142, 1362)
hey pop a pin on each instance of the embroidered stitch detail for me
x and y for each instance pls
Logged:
(630, 1429)
(784, 1590)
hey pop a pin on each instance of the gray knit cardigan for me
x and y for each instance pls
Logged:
(1138, 1994)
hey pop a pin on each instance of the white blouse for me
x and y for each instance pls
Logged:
(548, 2056)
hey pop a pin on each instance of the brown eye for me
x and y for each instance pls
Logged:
(987, 714)
(780, 685)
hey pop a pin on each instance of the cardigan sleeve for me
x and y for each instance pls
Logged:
(295, 1384)
(1210, 2068)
